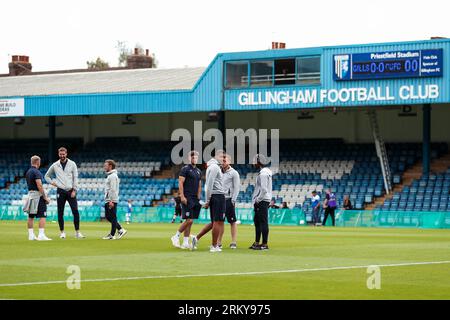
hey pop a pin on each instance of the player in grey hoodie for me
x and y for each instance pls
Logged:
(63, 174)
(111, 199)
(261, 200)
(215, 201)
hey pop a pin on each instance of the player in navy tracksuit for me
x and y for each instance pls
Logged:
(190, 189)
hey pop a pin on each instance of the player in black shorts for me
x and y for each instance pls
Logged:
(215, 201)
(37, 200)
(177, 213)
(231, 184)
(190, 190)
(215, 198)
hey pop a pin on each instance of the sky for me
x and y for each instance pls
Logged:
(65, 34)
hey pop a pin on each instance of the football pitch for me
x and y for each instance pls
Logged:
(302, 263)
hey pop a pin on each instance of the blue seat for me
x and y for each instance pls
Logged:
(378, 192)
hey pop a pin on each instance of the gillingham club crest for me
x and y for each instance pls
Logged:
(342, 67)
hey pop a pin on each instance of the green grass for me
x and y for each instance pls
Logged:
(147, 251)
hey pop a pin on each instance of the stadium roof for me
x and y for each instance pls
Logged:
(134, 80)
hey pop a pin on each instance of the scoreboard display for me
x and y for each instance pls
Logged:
(387, 65)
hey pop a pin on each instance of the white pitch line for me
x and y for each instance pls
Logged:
(227, 274)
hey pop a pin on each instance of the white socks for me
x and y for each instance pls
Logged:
(178, 234)
(186, 240)
(30, 232)
(41, 232)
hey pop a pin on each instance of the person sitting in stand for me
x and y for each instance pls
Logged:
(347, 203)
(273, 205)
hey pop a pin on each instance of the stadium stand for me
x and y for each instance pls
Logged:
(305, 165)
(15, 160)
(429, 193)
(14, 164)
(348, 169)
(138, 162)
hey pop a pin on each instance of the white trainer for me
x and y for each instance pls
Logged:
(185, 246)
(31, 237)
(214, 249)
(122, 232)
(175, 241)
(63, 235)
(79, 235)
(43, 238)
(194, 242)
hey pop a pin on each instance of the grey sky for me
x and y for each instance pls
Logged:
(65, 34)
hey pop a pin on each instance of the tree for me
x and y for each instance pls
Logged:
(98, 64)
(124, 51)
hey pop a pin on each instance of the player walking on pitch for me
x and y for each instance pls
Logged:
(190, 190)
(111, 199)
(231, 177)
(261, 200)
(215, 198)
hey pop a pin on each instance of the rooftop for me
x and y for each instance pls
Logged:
(112, 81)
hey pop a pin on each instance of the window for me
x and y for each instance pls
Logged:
(236, 74)
(284, 72)
(261, 73)
(268, 73)
(308, 70)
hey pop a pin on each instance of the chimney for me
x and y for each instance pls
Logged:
(19, 65)
(278, 45)
(140, 61)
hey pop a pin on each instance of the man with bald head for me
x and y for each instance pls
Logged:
(37, 200)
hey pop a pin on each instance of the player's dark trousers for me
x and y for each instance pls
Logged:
(62, 197)
(329, 211)
(261, 221)
(316, 216)
(111, 216)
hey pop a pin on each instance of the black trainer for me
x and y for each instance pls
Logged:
(254, 246)
(264, 247)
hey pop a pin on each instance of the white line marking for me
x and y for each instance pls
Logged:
(227, 274)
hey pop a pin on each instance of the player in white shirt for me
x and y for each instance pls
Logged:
(232, 184)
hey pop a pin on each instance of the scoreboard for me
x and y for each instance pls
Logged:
(387, 65)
